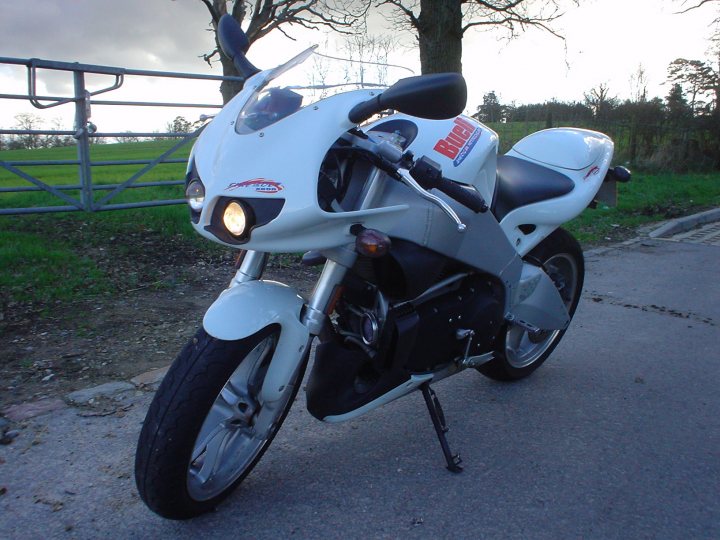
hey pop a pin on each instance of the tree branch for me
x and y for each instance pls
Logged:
(408, 12)
(208, 57)
(213, 12)
(508, 13)
(696, 6)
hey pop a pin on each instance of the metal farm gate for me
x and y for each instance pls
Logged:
(83, 133)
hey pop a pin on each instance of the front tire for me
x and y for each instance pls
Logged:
(206, 428)
(520, 353)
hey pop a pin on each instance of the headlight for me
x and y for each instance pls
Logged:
(195, 195)
(235, 218)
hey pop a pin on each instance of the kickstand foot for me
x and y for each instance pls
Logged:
(438, 420)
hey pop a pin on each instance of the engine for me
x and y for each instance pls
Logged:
(402, 314)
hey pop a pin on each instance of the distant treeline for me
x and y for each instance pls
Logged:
(680, 132)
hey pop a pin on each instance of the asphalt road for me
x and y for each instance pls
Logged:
(617, 436)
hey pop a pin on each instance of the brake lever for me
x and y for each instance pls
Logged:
(409, 181)
(374, 152)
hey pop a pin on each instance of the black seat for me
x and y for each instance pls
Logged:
(521, 182)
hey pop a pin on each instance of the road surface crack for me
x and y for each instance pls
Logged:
(652, 308)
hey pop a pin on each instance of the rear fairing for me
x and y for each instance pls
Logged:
(582, 155)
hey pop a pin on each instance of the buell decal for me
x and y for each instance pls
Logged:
(260, 185)
(459, 142)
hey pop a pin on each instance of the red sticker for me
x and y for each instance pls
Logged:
(458, 143)
(592, 171)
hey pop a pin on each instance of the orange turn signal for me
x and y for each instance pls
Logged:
(372, 243)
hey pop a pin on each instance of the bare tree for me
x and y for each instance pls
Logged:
(260, 17)
(599, 101)
(638, 85)
(441, 24)
(318, 76)
(29, 122)
(689, 5)
(127, 138)
(370, 58)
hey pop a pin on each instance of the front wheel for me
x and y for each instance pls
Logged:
(206, 427)
(521, 353)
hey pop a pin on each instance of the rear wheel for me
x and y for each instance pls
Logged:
(206, 427)
(520, 352)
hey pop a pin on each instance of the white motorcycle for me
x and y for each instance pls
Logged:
(439, 255)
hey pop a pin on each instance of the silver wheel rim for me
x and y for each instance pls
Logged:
(521, 349)
(236, 428)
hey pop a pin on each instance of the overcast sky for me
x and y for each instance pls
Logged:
(606, 41)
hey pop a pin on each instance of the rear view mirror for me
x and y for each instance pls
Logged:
(234, 43)
(436, 97)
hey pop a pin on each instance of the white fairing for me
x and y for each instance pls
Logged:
(564, 148)
(583, 156)
(288, 154)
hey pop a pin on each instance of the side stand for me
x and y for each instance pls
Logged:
(438, 420)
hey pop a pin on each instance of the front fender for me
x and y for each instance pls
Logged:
(247, 308)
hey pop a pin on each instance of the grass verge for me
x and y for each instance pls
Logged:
(56, 257)
(647, 199)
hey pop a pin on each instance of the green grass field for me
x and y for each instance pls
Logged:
(54, 257)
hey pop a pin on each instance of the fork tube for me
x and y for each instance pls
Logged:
(251, 268)
(373, 189)
(322, 299)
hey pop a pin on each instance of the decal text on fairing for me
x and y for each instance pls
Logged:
(459, 142)
(260, 185)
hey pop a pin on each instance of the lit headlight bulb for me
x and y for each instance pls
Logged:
(235, 219)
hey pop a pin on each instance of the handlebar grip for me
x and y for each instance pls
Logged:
(467, 197)
(428, 174)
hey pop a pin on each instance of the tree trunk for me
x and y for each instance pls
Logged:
(229, 89)
(439, 28)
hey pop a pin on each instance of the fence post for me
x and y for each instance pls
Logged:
(82, 116)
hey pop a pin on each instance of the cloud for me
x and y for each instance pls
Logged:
(145, 34)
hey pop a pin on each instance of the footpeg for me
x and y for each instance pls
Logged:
(438, 420)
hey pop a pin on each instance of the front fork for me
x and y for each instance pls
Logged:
(324, 295)
(251, 268)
